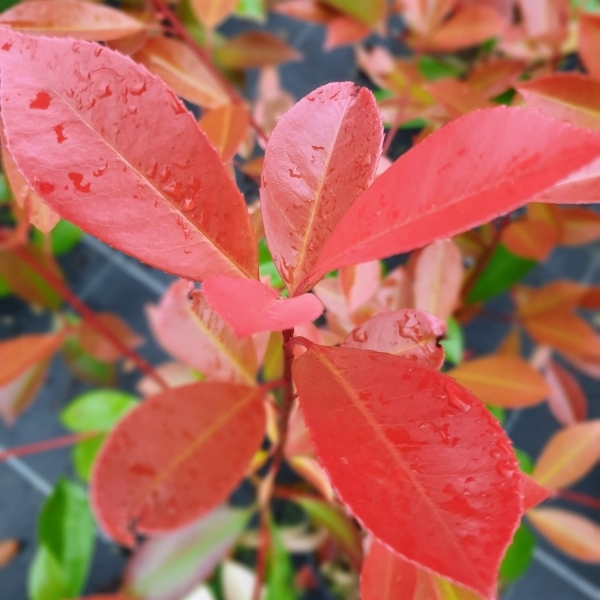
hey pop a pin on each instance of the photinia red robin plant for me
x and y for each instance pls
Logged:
(416, 458)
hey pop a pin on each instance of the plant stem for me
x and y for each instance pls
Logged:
(59, 442)
(177, 27)
(90, 317)
(579, 498)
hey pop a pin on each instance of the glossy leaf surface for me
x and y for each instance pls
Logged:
(198, 336)
(455, 487)
(569, 455)
(141, 479)
(321, 155)
(506, 381)
(70, 18)
(67, 95)
(250, 306)
(451, 182)
(411, 334)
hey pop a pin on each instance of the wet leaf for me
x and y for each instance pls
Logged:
(569, 455)
(438, 275)
(141, 478)
(167, 567)
(177, 65)
(575, 535)
(71, 18)
(456, 183)
(444, 448)
(198, 336)
(313, 174)
(263, 308)
(64, 111)
(411, 334)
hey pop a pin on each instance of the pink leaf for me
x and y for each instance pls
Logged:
(177, 207)
(321, 155)
(566, 400)
(418, 460)
(359, 283)
(250, 306)
(141, 479)
(411, 334)
(480, 166)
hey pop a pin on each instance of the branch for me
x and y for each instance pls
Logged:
(59, 442)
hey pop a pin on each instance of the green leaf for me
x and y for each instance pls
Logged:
(4, 289)
(434, 68)
(4, 190)
(525, 462)
(498, 412)
(45, 580)
(280, 578)
(519, 554)
(84, 454)
(454, 344)
(503, 270)
(370, 12)
(98, 410)
(63, 238)
(505, 97)
(66, 529)
(267, 266)
(251, 9)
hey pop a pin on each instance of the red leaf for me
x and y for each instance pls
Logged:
(19, 393)
(463, 175)
(386, 576)
(456, 97)
(579, 226)
(321, 155)
(438, 276)
(141, 479)
(250, 306)
(342, 30)
(589, 42)
(411, 334)
(360, 283)
(566, 400)
(127, 138)
(71, 18)
(417, 459)
(195, 334)
(532, 492)
(530, 238)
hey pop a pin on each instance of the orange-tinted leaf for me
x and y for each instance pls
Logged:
(439, 453)
(169, 185)
(360, 283)
(8, 550)
(344, 30)
(532, 492)
(250, 306)
(305, 10)
(97, 345)
(529, 238)
(177, 65)
(570, 97)
(575, 535)
(195, 334)
(18, 394)
(438, 275)
(369, 13)
(511, 344)
(212, 12)
(457, 97)
(566, 400)
(455, 182)
(20, 353)
(507, 381)
(226, 128)
(589, 42)
(254, 49)
(469, 26)
(569, 455)
(495, 76)
(204, 432)
(271, 103)
(411, 334)
(314, 170)
(70, 18)
(564, 331)
(579, 226)
(174, 373)
(386, 576)
(556, 296)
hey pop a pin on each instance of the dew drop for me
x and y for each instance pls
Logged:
(138, 90)
(318, 147)
(41, 102)
(360, 335)
(106, 93)
(101, 171)
(77, 179)
(295, 173)
(60, 134)
(505, 468)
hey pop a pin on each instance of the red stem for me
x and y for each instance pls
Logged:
(59, 442)
(579, 498)
(90, 317)
(177, 27)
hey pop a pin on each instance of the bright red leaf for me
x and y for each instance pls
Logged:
(321, 155)
(473, 169)
(411, 334)
(141, 479)
(99, 134)
(438, 481)
(532, 492)
(250, 306)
